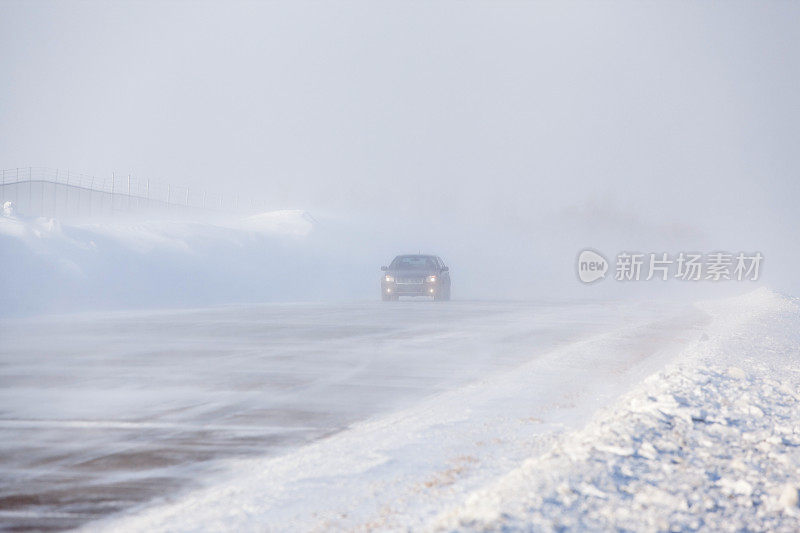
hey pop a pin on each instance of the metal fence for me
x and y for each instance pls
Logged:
(40, 191)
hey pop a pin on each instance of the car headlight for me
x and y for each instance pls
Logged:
(387, 277)
(431, 279)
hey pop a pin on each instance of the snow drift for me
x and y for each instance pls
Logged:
(712, 441)
(127, 262)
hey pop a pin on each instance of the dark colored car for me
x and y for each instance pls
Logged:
(415, 275)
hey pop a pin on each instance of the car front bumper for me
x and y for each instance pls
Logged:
(409, 289)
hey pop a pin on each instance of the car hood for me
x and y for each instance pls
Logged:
(412, 273)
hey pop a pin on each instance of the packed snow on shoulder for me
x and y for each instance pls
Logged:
(712, 442)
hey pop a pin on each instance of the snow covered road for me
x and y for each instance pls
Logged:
(578, 438)
(103, 412)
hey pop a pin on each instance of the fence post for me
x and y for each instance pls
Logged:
(187, 196)
(169, 192)
(55, 193)
(204, 198)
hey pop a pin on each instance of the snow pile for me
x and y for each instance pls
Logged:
(285, 222)
(29, 230)
(52, 266)
(713, 442)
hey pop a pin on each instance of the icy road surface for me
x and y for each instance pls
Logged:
(100, 413)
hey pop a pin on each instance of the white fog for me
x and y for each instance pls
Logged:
(196, 333)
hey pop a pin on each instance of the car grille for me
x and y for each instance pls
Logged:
(410, 281)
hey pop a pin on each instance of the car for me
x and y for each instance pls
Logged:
(415, 275)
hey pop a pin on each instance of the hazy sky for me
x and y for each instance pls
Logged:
(673, 112)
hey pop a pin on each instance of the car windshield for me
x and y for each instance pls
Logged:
(413, 262)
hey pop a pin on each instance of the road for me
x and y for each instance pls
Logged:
(102, 412)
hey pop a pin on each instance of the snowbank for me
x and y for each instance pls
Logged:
(711, 442)
(286, 222)
(136, 262)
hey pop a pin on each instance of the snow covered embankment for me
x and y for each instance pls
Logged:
(711, 442)
(139, 262)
